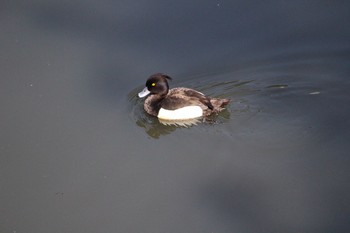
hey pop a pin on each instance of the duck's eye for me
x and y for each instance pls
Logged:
(153, 84)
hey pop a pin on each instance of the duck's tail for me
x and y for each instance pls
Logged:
(219, 104)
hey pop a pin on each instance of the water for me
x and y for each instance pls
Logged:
(78, 154)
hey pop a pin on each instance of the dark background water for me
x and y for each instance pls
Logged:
(78, 154)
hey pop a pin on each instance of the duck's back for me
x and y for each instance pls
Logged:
(182, 97)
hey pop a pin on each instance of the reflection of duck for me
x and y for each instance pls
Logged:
(178, 103)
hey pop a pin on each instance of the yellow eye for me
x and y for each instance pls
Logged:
(153, 84)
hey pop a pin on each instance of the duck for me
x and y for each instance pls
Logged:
(178, 103)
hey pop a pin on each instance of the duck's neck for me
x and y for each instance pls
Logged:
(153, 104)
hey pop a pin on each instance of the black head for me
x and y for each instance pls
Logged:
(158, 84)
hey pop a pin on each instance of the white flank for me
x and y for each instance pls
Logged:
(188, 112)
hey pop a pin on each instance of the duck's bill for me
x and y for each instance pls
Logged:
(144, 92)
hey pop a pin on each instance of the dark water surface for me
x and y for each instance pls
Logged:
(78, 154)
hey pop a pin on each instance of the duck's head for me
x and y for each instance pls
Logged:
(156, 84)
